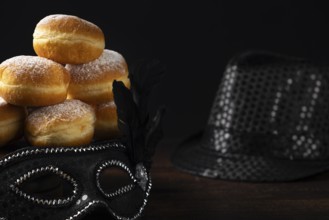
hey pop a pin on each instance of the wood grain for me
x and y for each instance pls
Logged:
(178, 195)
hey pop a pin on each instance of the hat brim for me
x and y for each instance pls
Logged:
(190, 156)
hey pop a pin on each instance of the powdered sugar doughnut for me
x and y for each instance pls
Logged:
(70, 123)
(68, 39)
(33, 81)
(92, 82)
(11, 122)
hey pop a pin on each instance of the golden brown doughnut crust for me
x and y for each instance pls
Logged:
(92, 82)
(11, 122)
(68, 39)
(70, 123)
(106, 126)
(33, 81)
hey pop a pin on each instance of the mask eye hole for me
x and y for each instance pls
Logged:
(114, 178)
(46, 186)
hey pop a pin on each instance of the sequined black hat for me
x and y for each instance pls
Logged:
(269, 122)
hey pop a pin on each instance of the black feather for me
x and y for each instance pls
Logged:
(141, 134)
(128, 118)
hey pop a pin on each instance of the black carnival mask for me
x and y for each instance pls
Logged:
(68, 183)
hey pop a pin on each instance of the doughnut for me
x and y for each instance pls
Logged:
(92, 82)
(70, 123)
(106, 126)
(11, 122)
(33, 81)
(68, 39)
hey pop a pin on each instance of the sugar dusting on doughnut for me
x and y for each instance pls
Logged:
(109, 61)
(107, 105)
(26, 65)
(92, 82)
(68, 39)
(62, 18)
(33, 81)
(66, 111)
(63, 22)
(71, 123)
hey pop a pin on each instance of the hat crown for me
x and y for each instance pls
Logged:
(273, 105)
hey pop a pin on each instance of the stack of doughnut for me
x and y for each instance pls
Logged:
(63, 96)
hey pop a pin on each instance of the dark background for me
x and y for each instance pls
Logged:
(195, 40)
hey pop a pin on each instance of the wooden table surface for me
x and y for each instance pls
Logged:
(178, 195)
